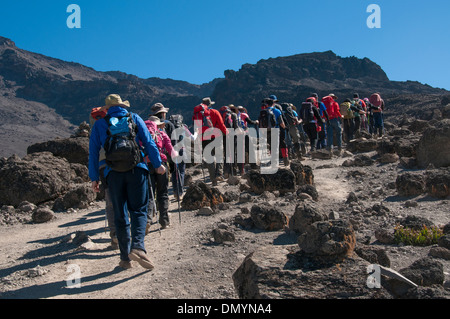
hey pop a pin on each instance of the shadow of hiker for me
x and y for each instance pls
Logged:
(59, 288)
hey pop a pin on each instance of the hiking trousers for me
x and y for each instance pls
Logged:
(311, 131)
(334, 128)
(160, 187)
(349, 128)
(129, 197)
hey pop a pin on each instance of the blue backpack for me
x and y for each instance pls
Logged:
(121, 149)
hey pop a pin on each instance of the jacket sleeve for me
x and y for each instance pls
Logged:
(94, 151)
(317, 115)
(150, 147)
(167, 143)
(218, 121)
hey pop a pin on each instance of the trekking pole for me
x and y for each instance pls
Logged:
(178, 179)
(154, 209)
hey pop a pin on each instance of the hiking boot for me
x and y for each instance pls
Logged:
(114, 244)
(286, 161)
(141, 258)
(214, 182)
(125, 264)
(220, 179)
(165, 225)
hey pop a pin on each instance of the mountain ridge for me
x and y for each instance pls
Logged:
(67, 91)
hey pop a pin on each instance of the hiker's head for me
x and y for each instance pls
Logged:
(269, 102)
(242, 109)
(315, 95)
(115, 100)
(274, 98)
(207, 101)
(333, 96)
(159, 110)
(356, 96)
(157, 121)
(347, 100)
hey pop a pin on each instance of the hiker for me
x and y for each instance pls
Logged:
(270, 117)
(370, 121)
(311, 121)
(98, 113)
(231, 121)
(292, 134)
(360, 118)
(209, 118)
(346, 109)
(177, 170)
(160, 182)
(334, 123)
(358, 112)
(246, 121)
(283, 131)
(322, 134)
(126, 174)
(160, 111)
(377, 110)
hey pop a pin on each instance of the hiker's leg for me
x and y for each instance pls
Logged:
(329, 135)
(137, 202)
(162, 195)
(118, 192)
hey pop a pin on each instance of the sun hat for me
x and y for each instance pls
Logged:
(116, 100)
(158, 108)
(207, 101)
(156, 120)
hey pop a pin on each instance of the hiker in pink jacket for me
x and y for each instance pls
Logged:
(160, 183)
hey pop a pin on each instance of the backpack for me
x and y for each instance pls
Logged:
(290, 117)
(375, 99)
(267, 118)
(227, 116)
(345, 110)
(177, 120)
(204, 116)
(307, 112)
(121, 149)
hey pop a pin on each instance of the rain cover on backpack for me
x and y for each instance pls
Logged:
(121, 149)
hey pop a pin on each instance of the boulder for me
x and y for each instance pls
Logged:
(359, 160)
(75, 150)
(80, 196)
(330, 241)
(280, 272)
(268, 217)
(303, 173)
(222, 235)
(37, 178)
(362, 145)
(306, 214)
(434, 146)
(425, 272)
(42, 215)
(310, 190)
(283, 181)
(200, 195)
(410, 184)
(437, 183)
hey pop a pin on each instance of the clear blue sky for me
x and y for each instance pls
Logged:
(196, 40)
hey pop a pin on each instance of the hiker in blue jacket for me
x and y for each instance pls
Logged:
(128, 190)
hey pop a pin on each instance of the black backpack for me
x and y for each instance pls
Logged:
(267, 118)
(307, 112)
(290, 117)
(121, 149)
(177, 120)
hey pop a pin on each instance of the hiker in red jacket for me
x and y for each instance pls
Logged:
(334, 123)
(212, 128)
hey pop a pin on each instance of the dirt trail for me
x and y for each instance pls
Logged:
(35, 261)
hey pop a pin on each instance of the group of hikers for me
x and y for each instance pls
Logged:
(135, 160)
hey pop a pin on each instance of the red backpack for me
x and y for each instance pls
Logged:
(201, 113)
(375, 99)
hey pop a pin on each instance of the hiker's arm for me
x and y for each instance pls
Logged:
(149, 145)
(94, 151)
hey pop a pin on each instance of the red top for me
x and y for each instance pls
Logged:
(214, 116)
(332, 107)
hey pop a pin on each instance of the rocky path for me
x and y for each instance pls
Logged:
(42, 261)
